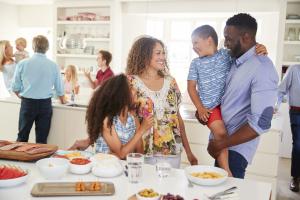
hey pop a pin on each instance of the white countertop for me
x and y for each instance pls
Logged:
(176, 183)
(187, 111)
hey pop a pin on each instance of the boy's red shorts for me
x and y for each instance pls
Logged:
(215, 115)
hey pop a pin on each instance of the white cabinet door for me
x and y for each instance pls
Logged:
(285, 149)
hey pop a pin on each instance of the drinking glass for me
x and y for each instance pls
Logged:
(163, 169)
(135, 167)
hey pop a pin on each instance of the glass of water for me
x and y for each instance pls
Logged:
(163, 169)
(135, 163)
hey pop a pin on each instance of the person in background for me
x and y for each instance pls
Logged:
(290, 85)
(103, 60)
(7, 63)
(71, 80)
(21, 53)
(33, 81)
(111, 122)
(158, 95)
(206, 82)
(250, 93)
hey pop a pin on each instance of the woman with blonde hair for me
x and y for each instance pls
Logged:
(158, 95)
(7, 64)
(71, 80)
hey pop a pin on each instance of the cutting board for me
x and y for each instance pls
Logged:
(23, 156)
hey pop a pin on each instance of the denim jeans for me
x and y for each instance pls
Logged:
(38, 111)
(237, 164)
(295, 127)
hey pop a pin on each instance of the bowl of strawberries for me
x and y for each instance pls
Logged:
(11, 175)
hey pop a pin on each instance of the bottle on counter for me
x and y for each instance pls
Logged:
(72, 96)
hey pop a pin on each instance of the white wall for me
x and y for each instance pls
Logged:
(135, 15)
(35, 16)
(8, 21)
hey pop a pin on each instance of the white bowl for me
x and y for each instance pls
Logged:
(80, 169)
(53, 168)
(13, 181)
(205, 181)
(139, 197)
(107, 168)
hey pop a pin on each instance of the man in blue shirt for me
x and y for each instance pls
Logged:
(33, 81)
(249, 98)
(290, 86)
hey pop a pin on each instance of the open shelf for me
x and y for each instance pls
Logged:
(82, 22)
(297, 42)
(290, 63)
(76, 56)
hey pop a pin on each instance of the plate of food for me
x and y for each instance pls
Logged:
(72, 154)
(11, 175)
(206, 175)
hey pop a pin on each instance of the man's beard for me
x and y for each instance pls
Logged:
(236, 51)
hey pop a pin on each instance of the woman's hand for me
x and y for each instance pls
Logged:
(192, 159)
(80, 145)
(147, 123)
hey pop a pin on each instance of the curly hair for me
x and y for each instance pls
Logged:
(244, 22)
(140, 55)
(108, 101)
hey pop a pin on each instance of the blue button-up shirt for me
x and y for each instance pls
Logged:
(291, 85)
(250, 96)
(35, 78)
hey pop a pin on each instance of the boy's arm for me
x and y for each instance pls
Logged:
(261, 49)
(202, 111)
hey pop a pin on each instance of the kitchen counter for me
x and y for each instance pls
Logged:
(176, 183)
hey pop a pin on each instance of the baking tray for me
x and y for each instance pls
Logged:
(50, 189)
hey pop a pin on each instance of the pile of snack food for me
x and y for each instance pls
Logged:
(172, 197)
(148, 193)
(93, 186)
(207, 175)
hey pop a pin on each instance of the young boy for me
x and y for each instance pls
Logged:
(208, 73)
(20, 54)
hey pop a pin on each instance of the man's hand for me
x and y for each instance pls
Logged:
(203, 114)
(215, 147)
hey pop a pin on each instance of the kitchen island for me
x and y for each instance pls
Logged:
(176, 183)
(68, 124)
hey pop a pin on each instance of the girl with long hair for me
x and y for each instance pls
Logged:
(111, 122)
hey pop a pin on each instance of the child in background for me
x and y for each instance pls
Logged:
(206, 83)
(20, 54)
(111, 122)
(71, 80)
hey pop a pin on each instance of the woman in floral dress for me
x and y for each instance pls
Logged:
(158, 95)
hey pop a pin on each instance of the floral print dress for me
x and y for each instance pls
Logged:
(164, 105)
